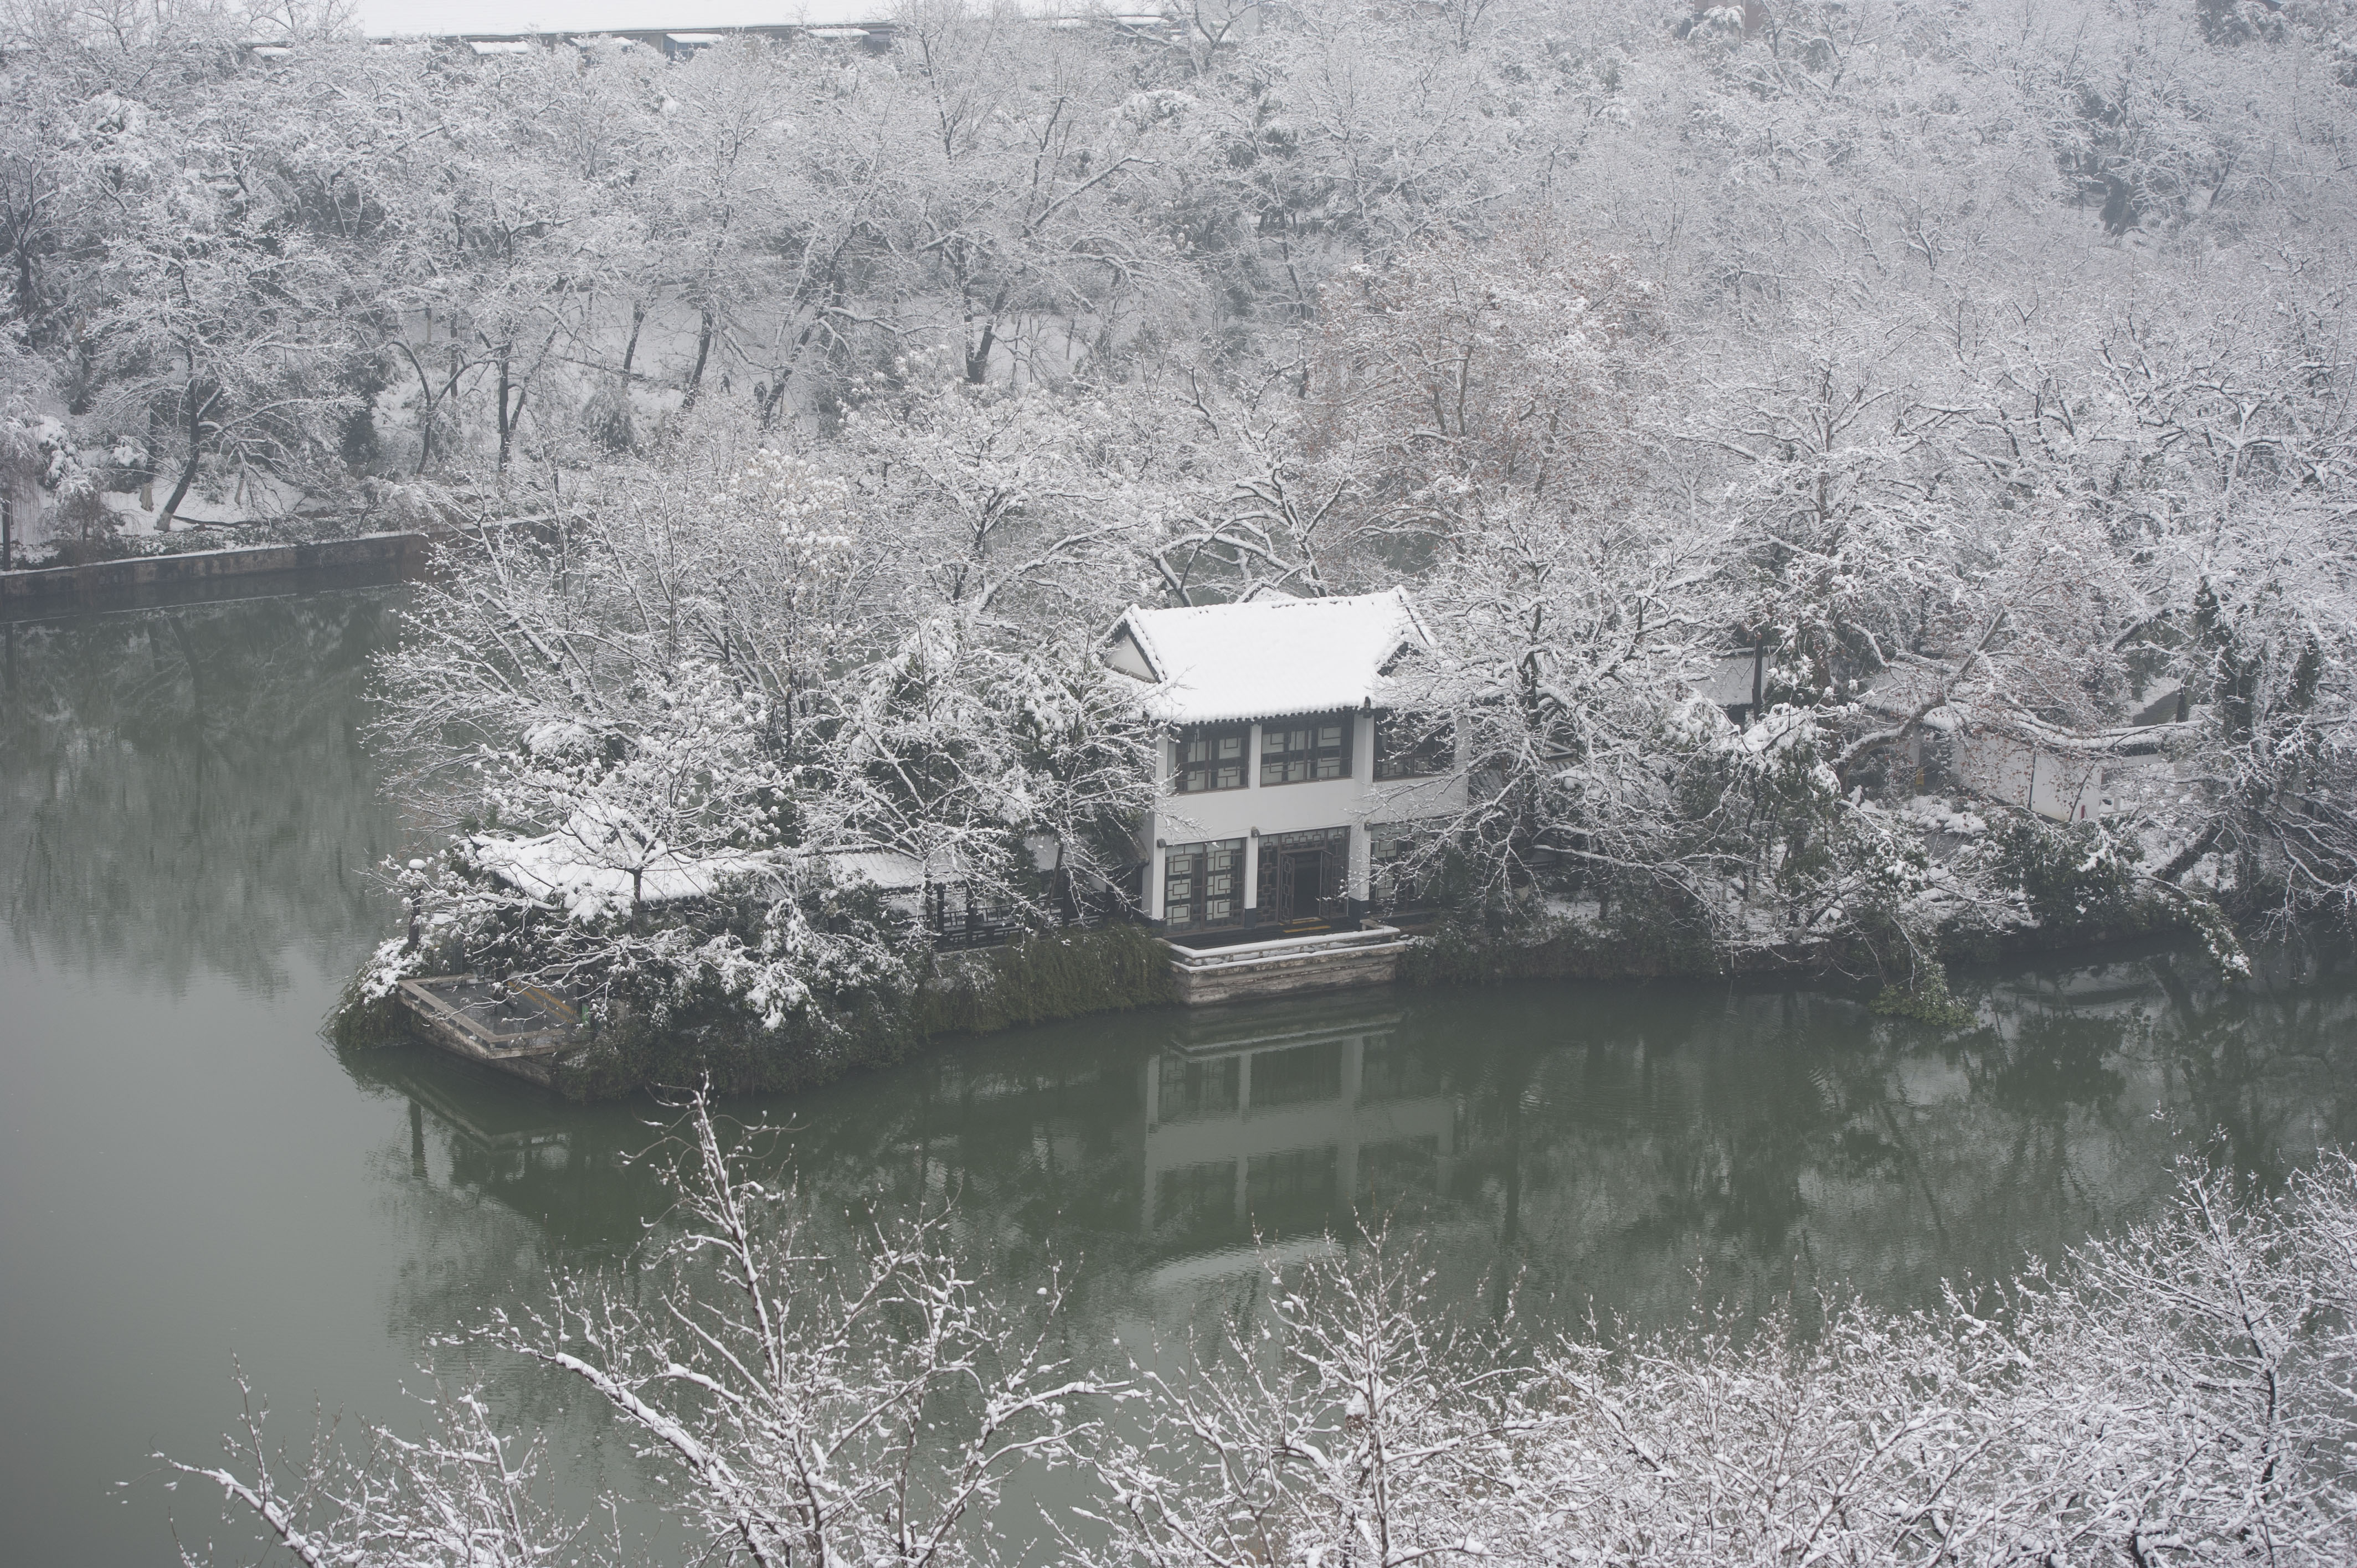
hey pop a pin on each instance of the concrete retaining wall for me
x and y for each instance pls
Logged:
(393, 554)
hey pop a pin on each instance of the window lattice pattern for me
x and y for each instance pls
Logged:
(1203, 885)
(1212, 759)
(1299, 753)
(1409, 747)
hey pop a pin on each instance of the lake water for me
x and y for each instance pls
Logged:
(191, 1179)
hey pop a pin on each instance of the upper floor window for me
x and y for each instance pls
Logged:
(1212, 758)
(1299, 751)
(1411, 745)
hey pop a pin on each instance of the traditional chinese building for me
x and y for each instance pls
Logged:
(1285, 781)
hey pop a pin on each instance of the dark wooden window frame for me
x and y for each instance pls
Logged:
(1212, 758)
(1309, 750)
(1389, 847)
(1208, 882)
(1429, 755)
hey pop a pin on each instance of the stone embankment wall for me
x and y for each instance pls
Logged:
(58, 586)
(1247, 971)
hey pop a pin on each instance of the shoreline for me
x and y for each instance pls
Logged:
(994, 1000)
(100, 585)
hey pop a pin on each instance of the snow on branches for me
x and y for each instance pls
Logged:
(851, 1389)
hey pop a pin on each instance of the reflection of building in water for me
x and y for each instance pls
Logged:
(565, 1166)
(492, 1144)
(1289, 1128)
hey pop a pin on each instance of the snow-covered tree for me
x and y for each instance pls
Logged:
(1984, 370)
(1354, 1419)
(851, 1390)
(2177, 1390)
(812, 1387)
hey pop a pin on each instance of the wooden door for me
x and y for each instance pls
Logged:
(1302, 885)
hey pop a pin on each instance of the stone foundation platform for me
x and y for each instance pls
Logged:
(1332, 961)
(519, 1030)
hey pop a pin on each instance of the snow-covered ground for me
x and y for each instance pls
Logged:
(394, 18)
(255, 498)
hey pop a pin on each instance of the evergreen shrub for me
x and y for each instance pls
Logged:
(360, 1022)
(1638, 945)
(1046, 976)
(2076, 877)
(1925, 999)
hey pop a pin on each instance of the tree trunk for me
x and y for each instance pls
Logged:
(180, 492)
(2187, 858)
(197, 407)
(508, 417)
(702, 353)
(977, 363)
(630, 348)
(502, 415)
(425, 396)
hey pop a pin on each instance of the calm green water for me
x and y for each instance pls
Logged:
(190, 1178)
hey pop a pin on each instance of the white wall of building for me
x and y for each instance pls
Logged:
(2060, 784)
(1355, 803)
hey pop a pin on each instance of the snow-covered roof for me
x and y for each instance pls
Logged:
(1265, 659)
(1897, 691)
(582, 869)
(892, 871)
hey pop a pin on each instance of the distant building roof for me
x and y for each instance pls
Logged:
(1265, 659)
(892, 871)
(581, 868)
